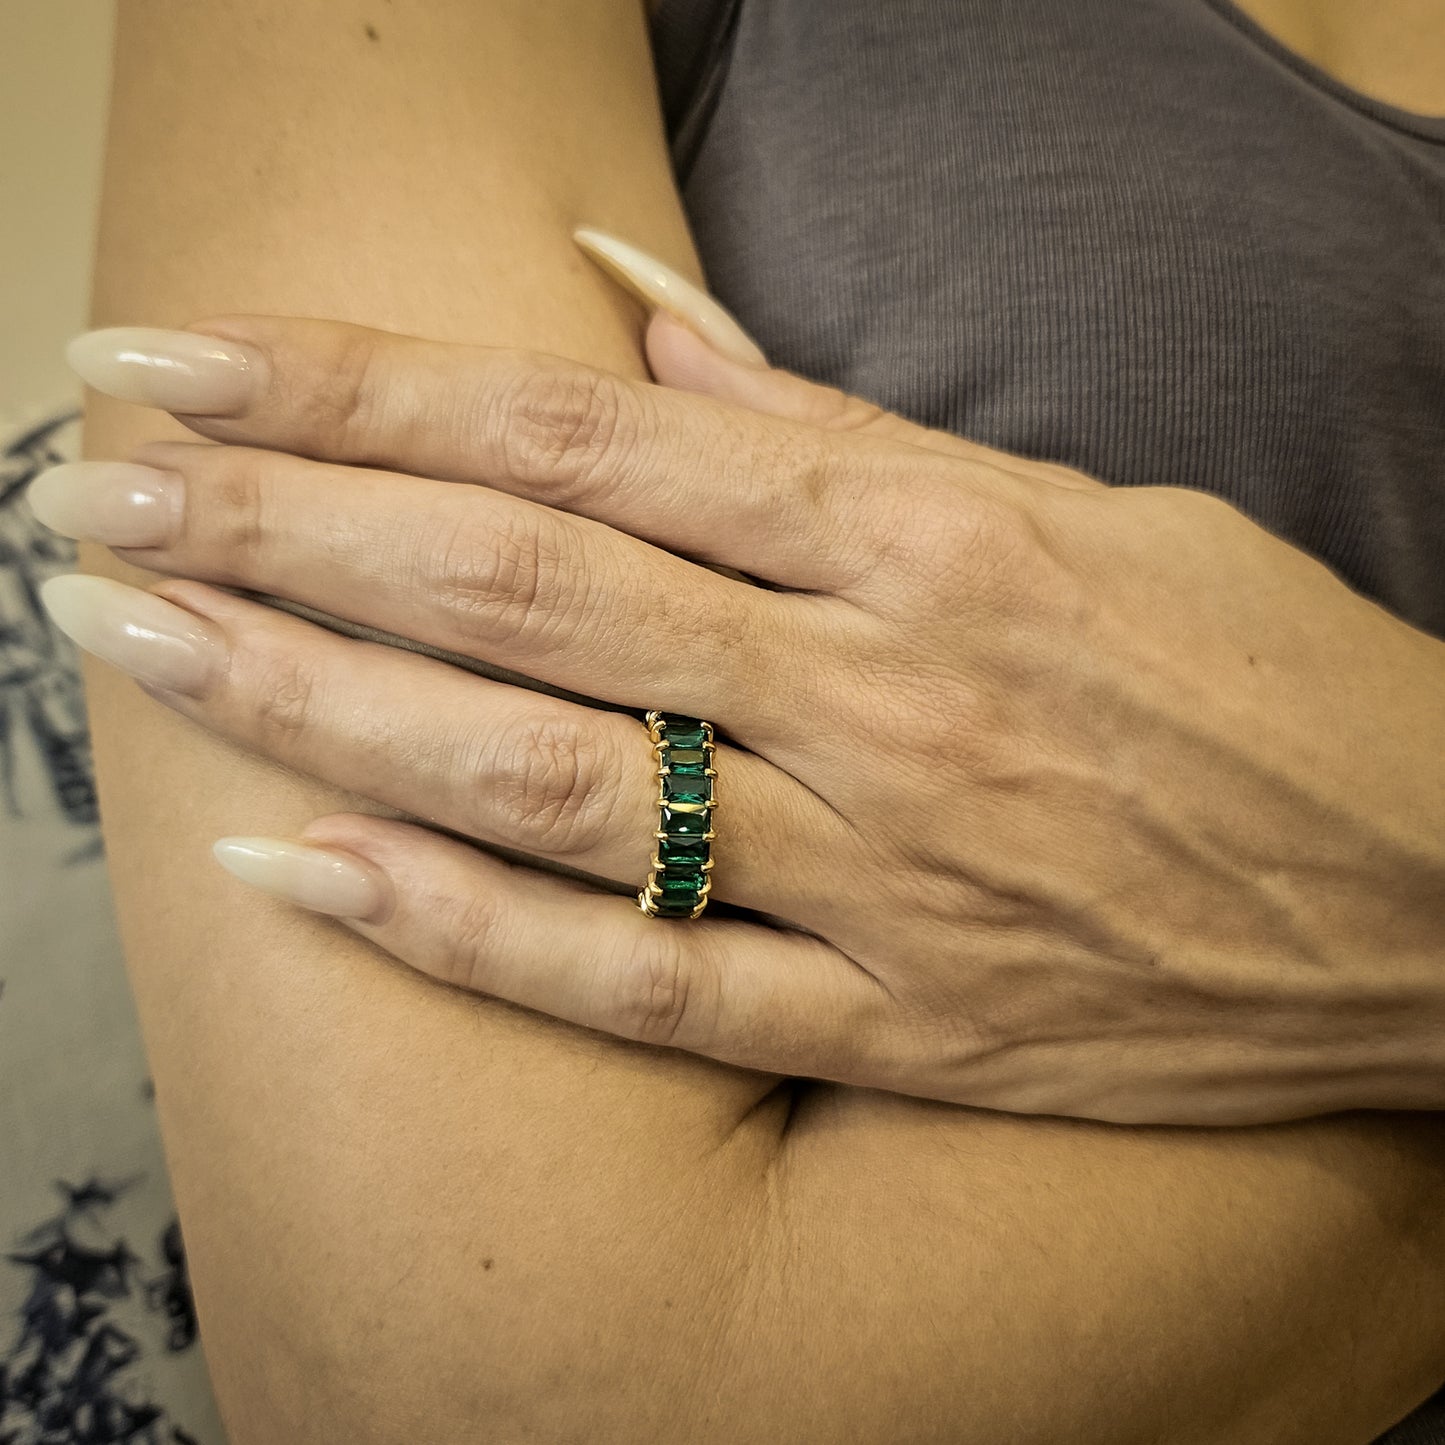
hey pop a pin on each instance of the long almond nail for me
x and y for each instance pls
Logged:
(142, 634)
(178, 371)
(316, 878)
(120, 504)
(659, 285)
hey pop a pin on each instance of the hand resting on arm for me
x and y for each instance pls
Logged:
(1086, 798)
(416, 1214)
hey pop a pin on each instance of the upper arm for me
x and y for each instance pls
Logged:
(367, 1166)
(413, 1214)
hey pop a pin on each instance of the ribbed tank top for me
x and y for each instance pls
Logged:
(1137, 236)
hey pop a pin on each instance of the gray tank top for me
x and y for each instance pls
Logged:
(1136, 236)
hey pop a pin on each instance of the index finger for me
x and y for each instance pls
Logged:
(775, 497)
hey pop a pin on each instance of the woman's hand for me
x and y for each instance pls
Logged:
(1078, 800)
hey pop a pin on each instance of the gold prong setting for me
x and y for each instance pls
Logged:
(680, 879)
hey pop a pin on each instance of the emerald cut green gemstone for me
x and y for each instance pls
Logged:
(680, 885)
(680, 788)
(688, 825)
(683, 732)
(683, 856)
(685, 851)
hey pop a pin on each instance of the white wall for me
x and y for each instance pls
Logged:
(54, 73)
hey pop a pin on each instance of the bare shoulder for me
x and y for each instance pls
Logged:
(1390, 50)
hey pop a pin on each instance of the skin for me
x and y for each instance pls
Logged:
(418, 1214)
(1136, 839)
(1393, 50)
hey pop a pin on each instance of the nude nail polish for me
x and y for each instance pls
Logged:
(144, 635)
(179, 371)
(316, 878)
(659, 285)
(120, 504)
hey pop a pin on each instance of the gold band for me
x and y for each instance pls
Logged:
(681, 878)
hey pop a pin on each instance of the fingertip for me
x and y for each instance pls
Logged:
(678, 357)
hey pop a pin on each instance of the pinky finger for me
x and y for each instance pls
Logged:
(739, 992)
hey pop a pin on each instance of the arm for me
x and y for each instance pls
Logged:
(417, 1215)
(383, 1186)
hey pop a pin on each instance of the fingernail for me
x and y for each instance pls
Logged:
(142, 634)
(178, 371)
(120, 504)
(316, 878)
(661, 286)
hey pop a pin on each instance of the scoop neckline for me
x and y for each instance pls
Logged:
(1428, 127)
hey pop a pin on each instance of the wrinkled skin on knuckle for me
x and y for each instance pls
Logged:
(553, 789)
(879, 503)
(566, 429)
(285, 700)
(805, 463)
(973, 550)
(344, 392)
(978, 646)
(834, 485)
(467, 939)
(654, 997)
(382, 399)
(239, 504)
(511, 581)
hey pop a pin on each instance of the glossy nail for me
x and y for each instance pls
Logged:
(316, 878)
(178, 371)
(120, 504)
(153, 640)
(661, 286)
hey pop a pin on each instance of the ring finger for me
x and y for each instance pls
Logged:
(511, 767)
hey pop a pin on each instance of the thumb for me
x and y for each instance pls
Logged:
(695, 344)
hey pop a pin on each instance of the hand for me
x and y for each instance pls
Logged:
(1077, 800)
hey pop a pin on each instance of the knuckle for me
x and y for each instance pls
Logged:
(566, 427)
(512, 580)
(856, 498)
(805, 463)
(239, 507)
(344, 396)
(880, 1041)
(552, 789)
(974, 544)
(841, 411)
(468, 940)
(286, 703)
(655, 1000)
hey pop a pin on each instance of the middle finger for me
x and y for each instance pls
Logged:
(470, 571)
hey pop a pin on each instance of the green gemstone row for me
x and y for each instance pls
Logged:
(687, 791)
